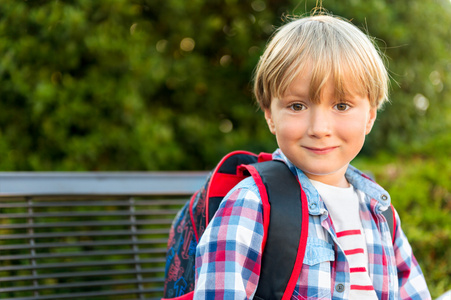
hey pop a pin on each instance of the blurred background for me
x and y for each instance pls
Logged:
(126, 85)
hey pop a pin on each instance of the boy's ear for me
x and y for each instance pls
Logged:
(371, 120)
(269, 121)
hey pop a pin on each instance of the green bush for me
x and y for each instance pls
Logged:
(165, 85)
(420, 189)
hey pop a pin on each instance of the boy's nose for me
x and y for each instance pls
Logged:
(319, 123)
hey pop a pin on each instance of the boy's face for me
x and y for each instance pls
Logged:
(320, 139)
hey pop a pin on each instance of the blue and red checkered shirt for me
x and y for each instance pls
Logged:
(229, 253)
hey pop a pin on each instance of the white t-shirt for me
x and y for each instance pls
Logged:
(343, 207)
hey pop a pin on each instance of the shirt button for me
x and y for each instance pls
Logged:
(312, 206)
(340, 288)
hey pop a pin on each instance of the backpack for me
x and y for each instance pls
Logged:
(277, 186)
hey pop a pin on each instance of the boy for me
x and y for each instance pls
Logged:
(319, 82)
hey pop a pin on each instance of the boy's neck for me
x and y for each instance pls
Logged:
(337, 179)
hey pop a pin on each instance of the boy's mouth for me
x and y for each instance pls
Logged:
(324, 150)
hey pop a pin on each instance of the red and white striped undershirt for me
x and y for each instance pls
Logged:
(343, 207)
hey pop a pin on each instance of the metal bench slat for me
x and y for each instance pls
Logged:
(78, 284)
(65, 203)
(85, 244)
(100, 183)
(92, 294)
(141, 261)
(82, 274)
(167, 221)
(84, 234)
(91, 214)
(84, 254)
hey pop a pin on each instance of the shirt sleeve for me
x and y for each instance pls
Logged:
(228, 256)
(412, 284)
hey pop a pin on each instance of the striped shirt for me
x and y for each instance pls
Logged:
(228, 256)
(343, 207)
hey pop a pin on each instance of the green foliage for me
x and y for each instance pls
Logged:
(127, 85)
(146, 85)
(421, 192)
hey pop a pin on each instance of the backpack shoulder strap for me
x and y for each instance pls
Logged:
(389, 215)
(285, 237)
(223, 178)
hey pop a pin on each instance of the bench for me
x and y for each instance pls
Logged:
(94, 235)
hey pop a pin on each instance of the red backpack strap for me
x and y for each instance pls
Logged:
(223, 178)
(285, 217)
(263, 156)
(188, 296)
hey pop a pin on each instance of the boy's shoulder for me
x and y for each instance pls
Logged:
(362, 182)
(246, 190)
(247, 184)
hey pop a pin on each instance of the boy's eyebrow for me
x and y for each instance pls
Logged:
(297, 92)
(296, 95)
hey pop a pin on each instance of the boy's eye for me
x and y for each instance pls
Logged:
(297, 106)
(342, 106)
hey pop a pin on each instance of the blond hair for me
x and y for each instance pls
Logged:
(331, 46)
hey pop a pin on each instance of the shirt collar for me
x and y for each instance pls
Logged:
(355, 177)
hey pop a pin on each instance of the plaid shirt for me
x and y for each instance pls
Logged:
(229, 253)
